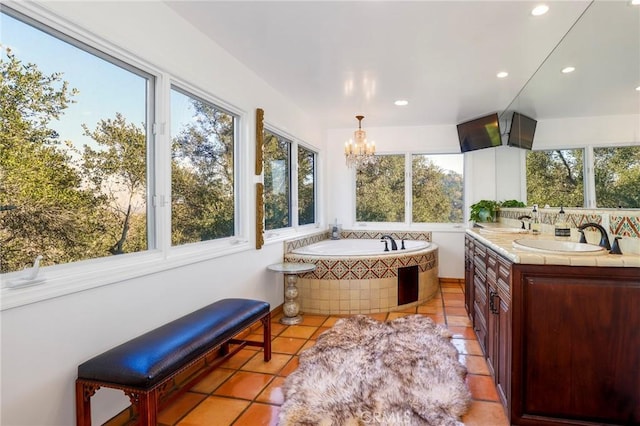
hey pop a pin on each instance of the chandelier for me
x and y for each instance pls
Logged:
(359, 153)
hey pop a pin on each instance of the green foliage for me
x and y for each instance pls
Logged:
(202, 179)
(437, 193)
(512, 203)
(617, 176)
(483, 211)
(380, 190)
(55, 215)
(306, 187)
(276, 181)
(555, 178)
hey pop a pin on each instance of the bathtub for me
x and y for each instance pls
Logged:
(356, 276)
(358, 247)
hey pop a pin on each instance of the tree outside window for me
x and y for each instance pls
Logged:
(555, 177)
(277, 181)
(202, 170)
(617, 177)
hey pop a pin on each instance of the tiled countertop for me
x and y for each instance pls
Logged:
(502, 243)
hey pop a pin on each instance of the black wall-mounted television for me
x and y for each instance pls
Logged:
(522, 130)
(480, 133)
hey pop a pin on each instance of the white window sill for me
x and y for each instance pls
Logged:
(60, 280)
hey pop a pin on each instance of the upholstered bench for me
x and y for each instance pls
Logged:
(145, 367)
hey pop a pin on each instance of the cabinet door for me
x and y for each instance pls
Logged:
(502, 374)
(468, 275)
(480, 294)
(576, 347)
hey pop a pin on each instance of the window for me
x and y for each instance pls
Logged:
(433, 188)
(617, 177)
(202, 170)
(277, 181)
(74, 149)
(380, 190)
(437, 188)
(555, 177)
(306, 186)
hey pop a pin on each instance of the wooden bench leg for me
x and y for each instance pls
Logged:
(146, 404)
(84, 392)
(266, 328)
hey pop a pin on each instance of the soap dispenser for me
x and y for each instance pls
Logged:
(535, 220)
(335, 234)
(561, 226)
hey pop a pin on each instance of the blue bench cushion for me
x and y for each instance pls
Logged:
(148, 359)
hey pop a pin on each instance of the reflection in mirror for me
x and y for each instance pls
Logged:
(603, 47)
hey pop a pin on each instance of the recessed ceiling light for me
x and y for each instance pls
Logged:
(635, 2)
(502, 74)
(401, 102)
(567, 70)
(540, 10)
(638, 88)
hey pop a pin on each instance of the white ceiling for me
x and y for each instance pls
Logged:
(336, 59)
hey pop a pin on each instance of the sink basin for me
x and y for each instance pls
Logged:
(559, 247)
(505, 230)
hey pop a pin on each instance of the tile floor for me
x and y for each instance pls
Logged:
(247, 391)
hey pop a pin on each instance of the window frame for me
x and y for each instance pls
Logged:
(408, 197)
(68, 278)
(280, 234)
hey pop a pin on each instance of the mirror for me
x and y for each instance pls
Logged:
(604, 47)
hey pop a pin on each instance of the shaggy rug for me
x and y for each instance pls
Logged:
(365, 372)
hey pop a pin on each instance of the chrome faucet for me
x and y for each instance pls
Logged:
(394, 246)
(604, 238)
(525, 216)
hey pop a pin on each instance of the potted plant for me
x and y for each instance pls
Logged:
(484, 211)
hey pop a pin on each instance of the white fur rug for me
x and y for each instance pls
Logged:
(364, 372)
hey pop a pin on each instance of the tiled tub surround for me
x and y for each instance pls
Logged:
(617, 222)
(364, 284)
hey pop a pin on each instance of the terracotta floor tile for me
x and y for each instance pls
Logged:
(475, 364)
(394, 315)
(290, 367)
(215, 411)
(457, 311)
(438, 319)
(431, 309)
(299, 331)
(273, 394)
(214, 379)
(458, 321)
(458, 303)
(307, 345)
(380, 316)
(244, 384)
(462, 332)
(330, 321)
(451, 288)
(313, 320)
(259, 415)
(482, 387)
(287, 345)
(257, 364)
(238, 359)
(318, 332)
(484, 413)
(467, 346)
(179, 408)
(277, 328)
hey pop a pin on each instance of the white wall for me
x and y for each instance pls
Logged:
(44, 342)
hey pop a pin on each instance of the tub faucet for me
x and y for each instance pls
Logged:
(394, 246)
(524, 216)
(604, 238)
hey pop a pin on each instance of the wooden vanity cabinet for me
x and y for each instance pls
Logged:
(562, 342)
(576, 345)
